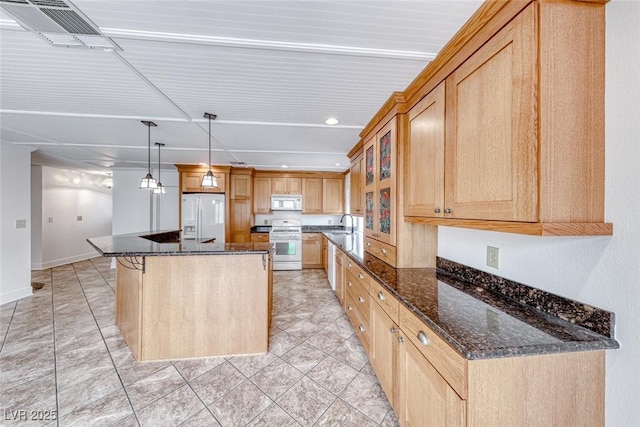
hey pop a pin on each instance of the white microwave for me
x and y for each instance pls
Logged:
(286, 202)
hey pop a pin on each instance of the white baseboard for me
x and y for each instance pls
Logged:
(16, 294)
(62, 261)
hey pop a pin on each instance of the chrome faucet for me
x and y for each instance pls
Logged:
(349, 215)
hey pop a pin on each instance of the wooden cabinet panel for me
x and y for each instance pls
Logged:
(241, 186)
(359, 322)
(491, 146)
(240, 220)
(259, 237)
(312, 250)
(383, 355)
(340, 275)
(325, 253)
(192, 182)
(425, 398)
(311, 195)
(332, 196)
(261, 195)
(424, 156)
(355, 178)
(283, 185)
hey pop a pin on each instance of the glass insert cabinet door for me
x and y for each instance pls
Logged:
(368, 211)
(385, 156)
(385, 210)
(369, 165)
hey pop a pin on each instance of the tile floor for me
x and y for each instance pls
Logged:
(60, 351)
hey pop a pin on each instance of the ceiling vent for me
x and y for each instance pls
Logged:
(58, 22)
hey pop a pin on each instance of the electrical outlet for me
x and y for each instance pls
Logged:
(50, 220)
(266, 222)
(79, 217)
(493, 257)
(330, 221)
(21, 223)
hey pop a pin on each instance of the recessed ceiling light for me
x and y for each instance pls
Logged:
(337, 164)
(284, 166)
(332, 121)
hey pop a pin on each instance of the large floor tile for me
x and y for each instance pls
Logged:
(304, 357)
(306, 401)
(151, 388)
(365, 393)
(217, 382)
(240, 405)
(171, 410)
(276, 378)
(342, 415)
(332, 375)
(273, 416)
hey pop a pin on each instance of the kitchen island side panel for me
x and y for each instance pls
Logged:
(128, 303)
(196, 306)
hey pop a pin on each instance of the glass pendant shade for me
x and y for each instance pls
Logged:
(209, 180)
(148, 182)
(159, 189)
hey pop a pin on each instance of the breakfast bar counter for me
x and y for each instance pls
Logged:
(178, 298)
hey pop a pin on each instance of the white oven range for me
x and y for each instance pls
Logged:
(286, 235)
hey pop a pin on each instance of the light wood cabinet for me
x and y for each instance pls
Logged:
(425, 398)
(191, 182)
(340, 275)
(523, 144)
(283, 185)
(383, 355)
(312, 250)
(355, 178)
(259, 237)
(240, 220)
(261, 195)
(241, 186)
(325, 253)
(332, 196)
(380, 184)
(311, 195)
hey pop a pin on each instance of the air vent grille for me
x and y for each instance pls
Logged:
(14, 1)
(70, 21)
(239, 163)
(50, 3)
(32, 17)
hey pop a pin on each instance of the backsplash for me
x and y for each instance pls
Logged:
(589, 317)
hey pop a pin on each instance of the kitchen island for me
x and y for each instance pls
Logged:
(182, 298)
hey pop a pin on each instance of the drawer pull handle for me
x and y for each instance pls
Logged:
(368, 243)
(349, 264)
(360, 276)
(393, 330)
(360, 298)
(361, 328)
(349, 283)
(383, 250)
(422, 337)
(349, 307)
(380, 296)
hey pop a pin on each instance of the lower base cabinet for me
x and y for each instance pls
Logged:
(425, 398)
(428, 383)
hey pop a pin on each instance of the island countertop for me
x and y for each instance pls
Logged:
(170, 243)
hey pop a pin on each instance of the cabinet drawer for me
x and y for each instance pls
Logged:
(358, 321)
(383, 251)
(451, 365)
(359, 294)
(358, 274)
(259, 237)
(311, 236)
(388, 302)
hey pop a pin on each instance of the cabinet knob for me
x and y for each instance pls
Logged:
(349, 264)
(349, 307)
(360, 276)
(437, 210)
(447, 210)
(393, 330)
(361, 328)
(422, 337)
(360, 298)
(380, 296)
(349, 283)
(400, 340)
(383, 250)
(368, 243)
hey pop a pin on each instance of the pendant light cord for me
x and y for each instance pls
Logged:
(209, 143)
(149, 151)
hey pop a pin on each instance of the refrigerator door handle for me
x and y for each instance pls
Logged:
(199, 221)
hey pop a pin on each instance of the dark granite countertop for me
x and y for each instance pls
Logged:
(305, 228)
(170, 243)
(478, 322)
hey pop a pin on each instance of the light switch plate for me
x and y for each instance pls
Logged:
(79, 217)
(21, 223)
(493, 257)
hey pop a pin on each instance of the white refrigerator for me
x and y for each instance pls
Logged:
(203, 216)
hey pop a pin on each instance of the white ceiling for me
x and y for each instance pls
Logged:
(272, 71)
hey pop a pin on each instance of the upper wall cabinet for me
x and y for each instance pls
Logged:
(332, 196)
(509, 133)
(286, 186)
(355, 178)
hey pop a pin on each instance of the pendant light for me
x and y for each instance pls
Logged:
(148, 182)
(108, 181)
(209, 180)
(160, 189)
